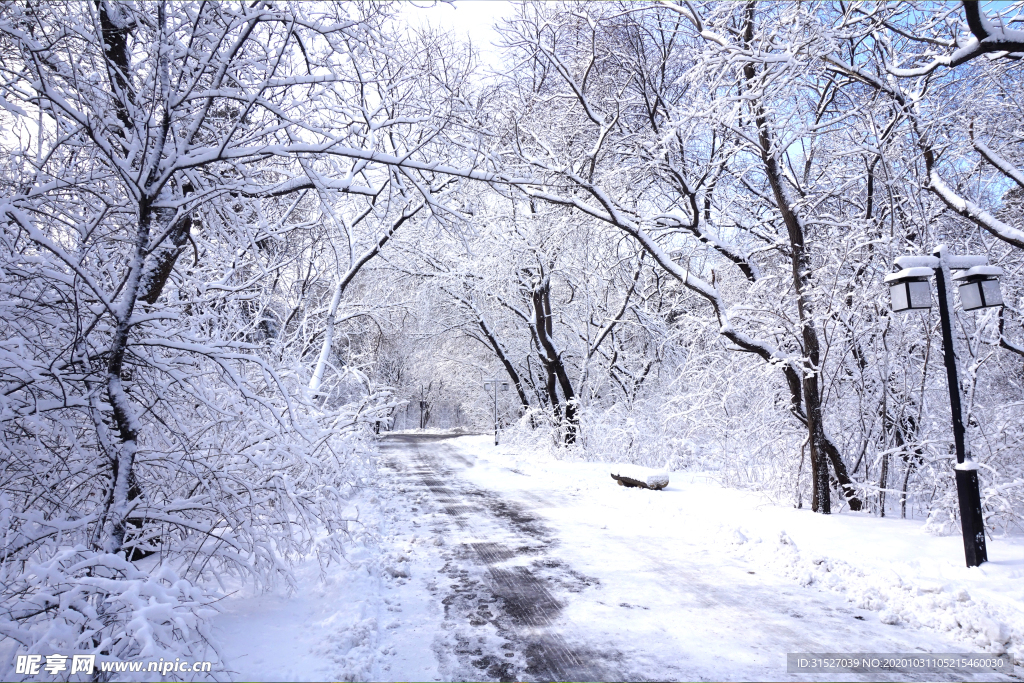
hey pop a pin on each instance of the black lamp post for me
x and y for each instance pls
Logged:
(979, 288)
(491, 385)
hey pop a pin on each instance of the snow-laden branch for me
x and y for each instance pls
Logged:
(992, 157)
(960, 205)
(988, 37)
(339, 290)
(974, 213)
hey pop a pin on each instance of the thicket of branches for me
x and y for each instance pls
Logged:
(235, 237)
(188, 189)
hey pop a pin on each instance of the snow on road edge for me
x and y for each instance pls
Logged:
(907, 599)
(326, 626)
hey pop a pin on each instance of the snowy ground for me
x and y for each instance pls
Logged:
(500, 565)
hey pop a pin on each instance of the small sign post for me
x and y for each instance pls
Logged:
(491, 385)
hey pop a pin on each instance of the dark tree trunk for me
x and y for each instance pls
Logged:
(166, 255)
(883, 481)
(552, 361)
(823, 450)
(424, 407)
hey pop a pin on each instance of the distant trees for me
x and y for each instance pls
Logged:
(541, 296)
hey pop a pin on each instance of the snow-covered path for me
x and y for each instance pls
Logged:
(532, 578)
(501, 615)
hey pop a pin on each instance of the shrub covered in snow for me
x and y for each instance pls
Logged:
(160, 317)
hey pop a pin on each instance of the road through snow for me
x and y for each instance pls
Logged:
(532, 580)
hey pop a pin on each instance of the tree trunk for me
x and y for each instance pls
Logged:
(552, 360)
(125, 416)
(882, 483)
(822, 449)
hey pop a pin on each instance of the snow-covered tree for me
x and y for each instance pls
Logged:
(189, 189)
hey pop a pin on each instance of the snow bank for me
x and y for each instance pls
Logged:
(901, 592)
(325, 626)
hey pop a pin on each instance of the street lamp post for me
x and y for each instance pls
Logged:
(979, 288)
(491, 385)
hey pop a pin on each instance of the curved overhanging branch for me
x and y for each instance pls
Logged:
(987, 38)
(992, 157)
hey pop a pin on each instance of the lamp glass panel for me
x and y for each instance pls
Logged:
(990, 288)
(487, 386)
(898, 291)
(504, 386)
(920, 294)
(970, 296)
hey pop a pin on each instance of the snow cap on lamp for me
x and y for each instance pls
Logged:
(979, 287)
(910, 288)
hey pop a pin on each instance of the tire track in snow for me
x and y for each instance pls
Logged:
(491, 584)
